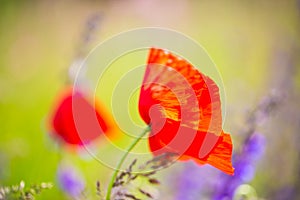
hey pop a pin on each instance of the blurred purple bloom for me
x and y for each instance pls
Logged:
(194, 180)
(70, 181)
(253, 150)
(187, 183)
(244, 163)
(255, 146)
(244, 171)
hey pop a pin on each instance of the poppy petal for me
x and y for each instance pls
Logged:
(183, 108)
(220, 157)
(186, 94)
(76, 121)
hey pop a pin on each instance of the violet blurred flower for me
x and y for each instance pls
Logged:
(244, 164)
(253, 150)
(194, 182)
(187, 183)
(70, 181)
(255, 146)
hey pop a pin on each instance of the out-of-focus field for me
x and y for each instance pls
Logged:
(254, 44)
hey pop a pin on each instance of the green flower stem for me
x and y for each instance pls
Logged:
(122, 160)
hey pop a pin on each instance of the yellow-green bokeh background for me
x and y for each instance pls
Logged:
(40, 39)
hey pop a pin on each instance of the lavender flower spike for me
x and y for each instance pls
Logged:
(70, 181)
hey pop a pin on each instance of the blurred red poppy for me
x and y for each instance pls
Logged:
(183, 108)
(76, 121)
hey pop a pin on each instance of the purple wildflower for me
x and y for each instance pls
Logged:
(244, 163)
(255, 146)
(70, 181)
(252, 151)
(194, 181)
(244, 171)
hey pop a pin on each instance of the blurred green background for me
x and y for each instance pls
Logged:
(255, 45)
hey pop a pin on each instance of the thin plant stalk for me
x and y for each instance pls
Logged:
(108, 194)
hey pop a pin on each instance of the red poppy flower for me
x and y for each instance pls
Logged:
(183, 108)
(76, 121)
